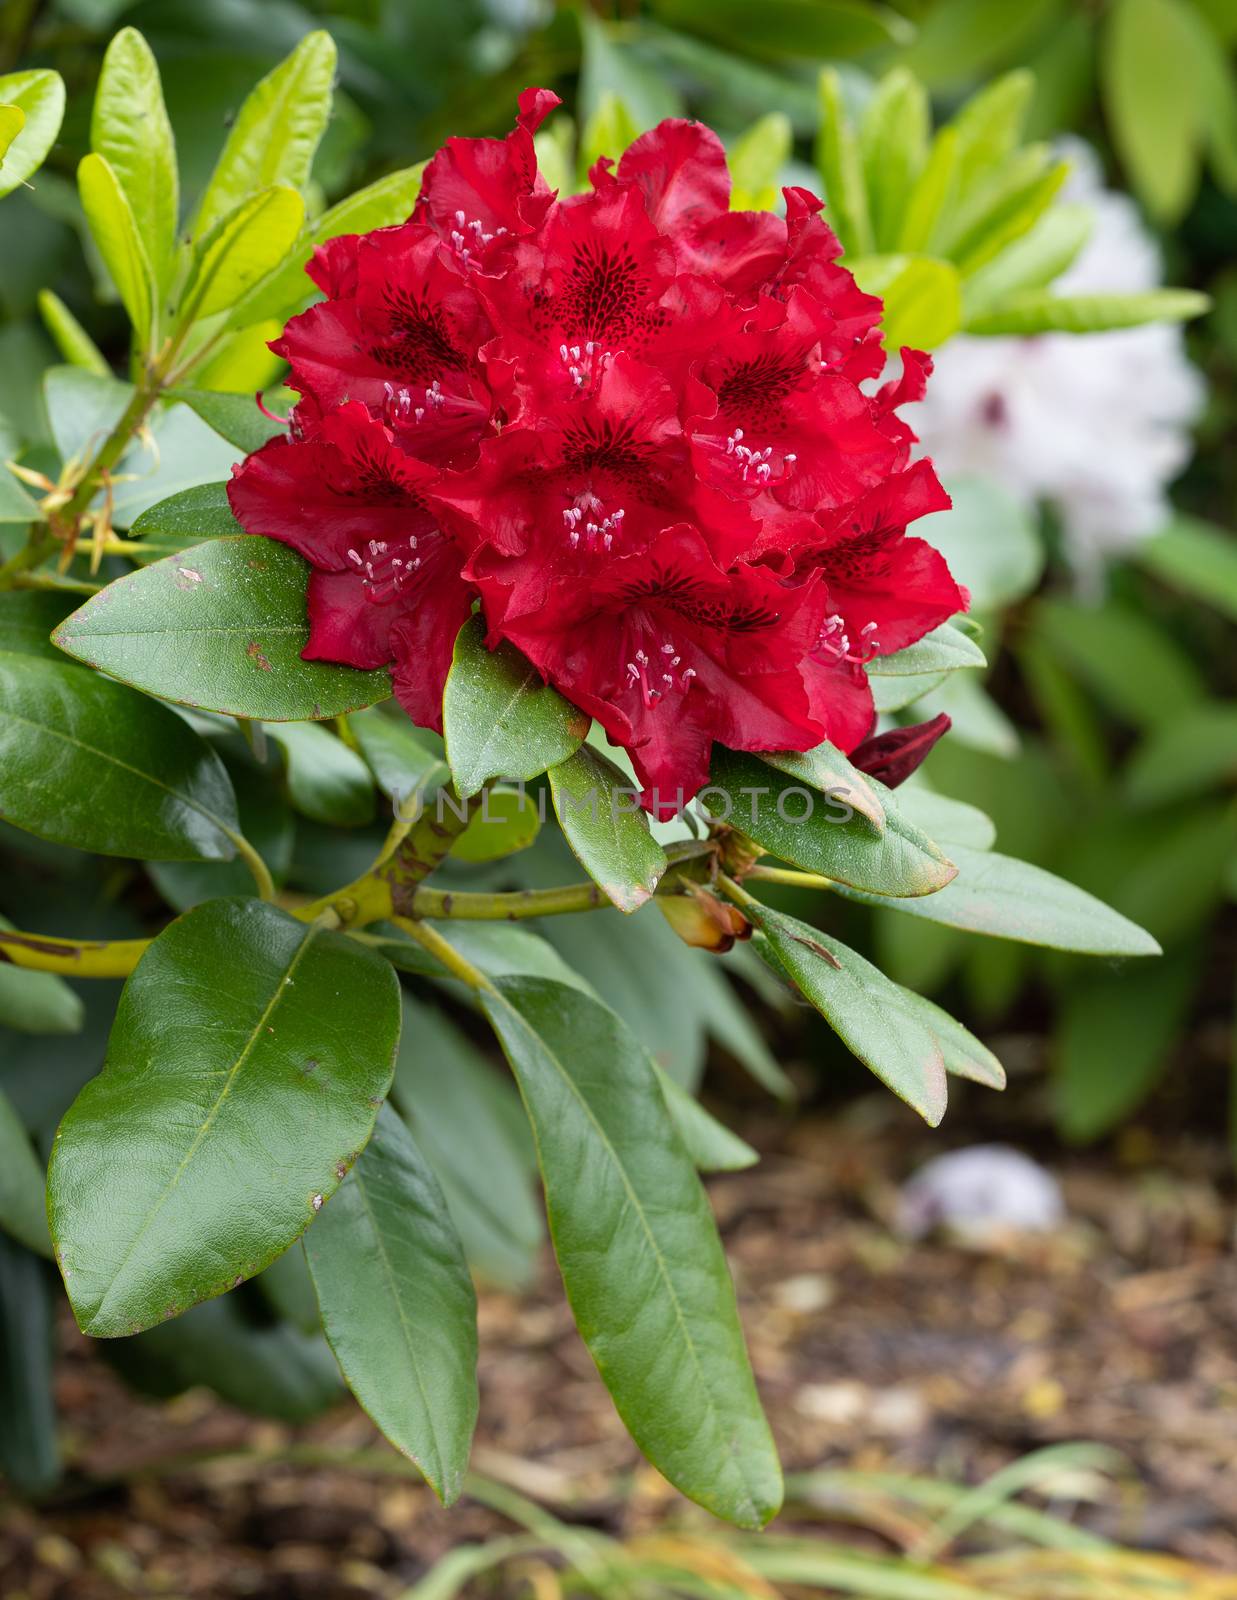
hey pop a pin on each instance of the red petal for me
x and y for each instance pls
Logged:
(680, 168)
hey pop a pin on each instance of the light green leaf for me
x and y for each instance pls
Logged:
(23, 1208)
(1037, 311)
(1150, 87)
(398, 1305)
(947, 821)
(220, 628)
(989, 540)
(841, 170)
(86, 762)
(965, 1056)
(711, 1146)
(791, 823)
(637, 1247)
(945, 649)
(922, 295)
(15, 504)
(36, 1002)
(1029, 263)
(276, 132)
(989, 126)
(607, 132)
(756, 159)
(501, 719)
(114, 230)
(71, 339)
(607, 832)
(239, 251)
(894, 139)
(1004, 208)
(326, 780)
(129, 128)
(895, 694)
(12, 121)
(280, 1031)
(39, 96)
(932, 196)
(859, 1003)
(1008, 899)
(608, 63)
(506, 822)
(1197, 557)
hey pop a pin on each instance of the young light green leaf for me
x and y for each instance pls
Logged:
(12, 121)
(277, 1026)
(607, 132)
(862, 1007)
(1004, 209)
(276, 132)
(114, 230)
(841, 170)
(1009, 899)
(711, 1146)
(637, 1247)
(129, 128)
(36, 1002)
(23, 1206)
(326, 780)
(791, 822)
(39, 97)
(756, 159)
(236, 417)
(1031, 262)
(1037, 311)
(894, 139)
(607, 832)
(220, 628)
(70, 338)
(239, 251)
(398, 1305)
(922, 295)
(86, 762)
(506, 822)
(945, 649)
(501, 719)
(931, 198)
(989, 126)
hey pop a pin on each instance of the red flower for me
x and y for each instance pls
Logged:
(630, 425)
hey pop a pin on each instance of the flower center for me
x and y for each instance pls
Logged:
(385, 566)
(833, 640)
(398, 408)
(658, 675)
(585, 362)
(469, 236)
(755, 463)
(587, 520)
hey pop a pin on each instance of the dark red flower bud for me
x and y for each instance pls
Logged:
(892, 757)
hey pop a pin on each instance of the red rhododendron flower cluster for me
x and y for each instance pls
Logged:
(636, 426)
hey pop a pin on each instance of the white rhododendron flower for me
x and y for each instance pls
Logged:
(1097, 425)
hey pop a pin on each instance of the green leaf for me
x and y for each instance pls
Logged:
(607, 832)
(922, 295)
(989, 126)
(288, 1288)
(220, 628)
(1029, 263)
(788, 821)
(400, 756)
(467, 1119)
(276, 131)
(239, 251)
(398, 1305)
(501, 720)
(114, 230)
(989, 540)
(235, 417)
(70, 338)
(828, 770)
(507, 821)
(129, 128)
(1038, 311)
(895, 694)
(1113, 1039)
(711, 1146)
(12, 121)
(280, 1032)
(841, 170)
(964, 1055)
(29, 1453)
(36, 1002)
(27, 617)
(932, 196)
(187, 518)
(945, 649)
(947, 821)
(756, 159)
(1008, 899)
(790, 28)
(859, 1003)
(1136, 668)
(1198, 558)
(1188, 756)
(39, 96)
(607, 132)
(381, 204)
(639, 1253)
(88, 763)
(1149, 81)
(327, 781)
(23, 1208)
(1004, 208)
(894, 139)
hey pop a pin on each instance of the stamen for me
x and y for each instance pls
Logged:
(653, 692)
